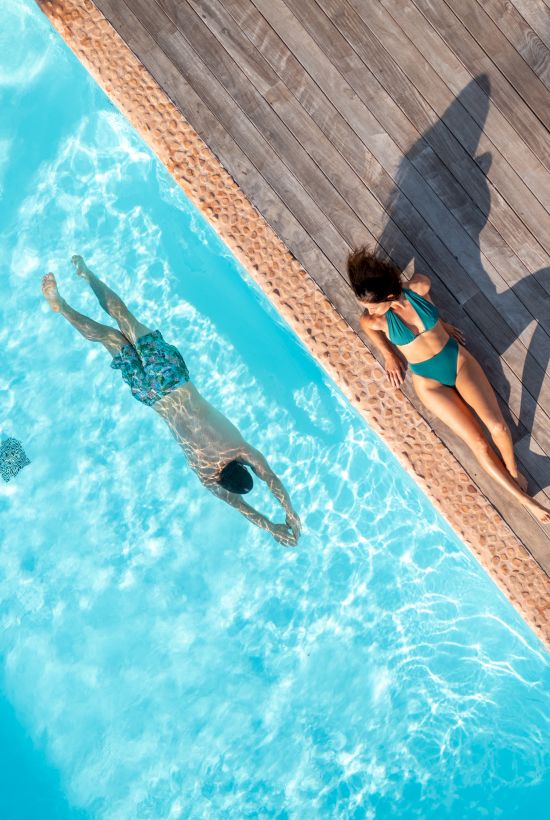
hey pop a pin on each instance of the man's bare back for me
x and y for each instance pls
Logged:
(207, 437)
(210, 442)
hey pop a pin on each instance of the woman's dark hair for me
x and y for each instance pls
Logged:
(236, 478)
(373, 279)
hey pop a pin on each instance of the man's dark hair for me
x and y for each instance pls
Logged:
(236, 478)
(373, 279)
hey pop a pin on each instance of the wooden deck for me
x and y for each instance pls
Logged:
(418, 124)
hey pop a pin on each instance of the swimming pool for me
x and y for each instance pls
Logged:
(161, 657)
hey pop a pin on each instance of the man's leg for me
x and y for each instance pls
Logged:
(129, 326)
(94, 331)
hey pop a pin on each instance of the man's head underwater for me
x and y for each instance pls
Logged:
(236, 478)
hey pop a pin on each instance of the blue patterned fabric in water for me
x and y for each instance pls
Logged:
(151, 368)
(12, 458)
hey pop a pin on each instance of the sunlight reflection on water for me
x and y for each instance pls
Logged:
(175, 661)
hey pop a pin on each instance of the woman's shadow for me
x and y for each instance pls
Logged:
(484, 315)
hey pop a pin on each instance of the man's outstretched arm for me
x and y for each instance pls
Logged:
(258, 463)
(280, 532)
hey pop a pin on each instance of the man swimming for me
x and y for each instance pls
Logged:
(157, 376)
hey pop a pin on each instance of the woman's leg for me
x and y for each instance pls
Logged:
(94, 331)
(111, 303)
(448, 406)
(475, 389)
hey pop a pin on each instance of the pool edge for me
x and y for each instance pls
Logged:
(303, 305)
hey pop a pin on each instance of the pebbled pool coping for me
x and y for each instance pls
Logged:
(303, 305)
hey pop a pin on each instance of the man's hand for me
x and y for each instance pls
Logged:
(293, 522)
(395, 369)
(283, 535)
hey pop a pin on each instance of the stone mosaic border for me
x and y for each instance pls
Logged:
(300, 301)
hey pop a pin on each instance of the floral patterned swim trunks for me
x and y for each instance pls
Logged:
(151, 368)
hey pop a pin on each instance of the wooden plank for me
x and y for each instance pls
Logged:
(330, 122)
(475, 98)
(483, 314)
(132, 32)
(476, 129)
(460, 244)
(334, 47)
(261, 114)
(337, 170)
(238, 86)
(536, 13)
(441, 138)
(183, 98)
(521, 35)
(259, 147)
(536, 462)
(261, 34)
(516, 361)
(460, 41)
(488, 35)
(259, 153)
(262, 196)
(355, 193)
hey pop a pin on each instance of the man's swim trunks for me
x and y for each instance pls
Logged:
(152, 368)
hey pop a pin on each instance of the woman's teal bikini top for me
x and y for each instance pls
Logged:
(398, 332)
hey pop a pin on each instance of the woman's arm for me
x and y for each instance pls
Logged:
(393, 364)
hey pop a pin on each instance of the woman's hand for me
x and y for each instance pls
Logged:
(283, 534)
(395, 369)
(455, 333)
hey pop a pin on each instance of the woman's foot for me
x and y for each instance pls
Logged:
(81, 267)
(49, 289)
(540, 512)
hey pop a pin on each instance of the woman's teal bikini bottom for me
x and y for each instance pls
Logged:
(441, 367)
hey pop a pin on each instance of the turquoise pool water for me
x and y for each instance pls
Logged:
(160, 657)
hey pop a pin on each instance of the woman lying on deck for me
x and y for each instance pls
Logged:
(446, 377)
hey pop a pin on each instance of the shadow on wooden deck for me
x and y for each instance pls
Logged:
(494, 319)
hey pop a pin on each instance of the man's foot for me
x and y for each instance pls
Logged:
(81, 267)
(49, 289)
(540, 512)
